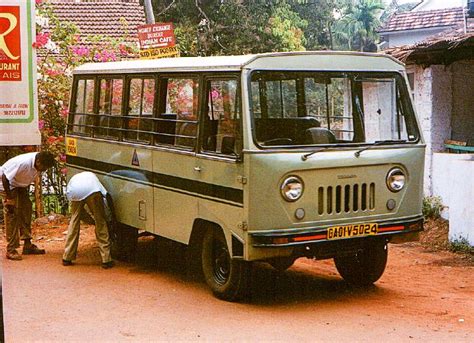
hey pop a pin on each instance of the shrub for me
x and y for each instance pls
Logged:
(461, 245)
(432, 207)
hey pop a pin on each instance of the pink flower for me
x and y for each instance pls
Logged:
(41, 40)
(105, 56)
(38, 2)
(64, 171)
(62, 158)
(41, 124)
(215, 94)
(52, 72)
(80, 51)
(64, 112)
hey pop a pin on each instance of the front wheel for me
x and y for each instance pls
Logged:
(227, 277)
(366, 266)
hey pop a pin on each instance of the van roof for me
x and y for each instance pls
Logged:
(303, 60)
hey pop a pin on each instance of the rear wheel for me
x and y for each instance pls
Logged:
(366, 266)
(227, 277)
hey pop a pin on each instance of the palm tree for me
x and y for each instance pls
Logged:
(356, 29)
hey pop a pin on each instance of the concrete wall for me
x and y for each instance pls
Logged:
(462, 120)
(453, 181)
(444, 100)
(410, 37)
(433, 102)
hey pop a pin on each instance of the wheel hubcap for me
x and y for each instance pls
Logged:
(221, 263)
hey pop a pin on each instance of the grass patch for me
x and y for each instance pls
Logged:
(461, 246)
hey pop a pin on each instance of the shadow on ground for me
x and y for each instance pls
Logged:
(267, 286)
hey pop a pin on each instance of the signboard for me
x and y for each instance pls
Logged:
(157, 41)
(18, 96)
(160, 52)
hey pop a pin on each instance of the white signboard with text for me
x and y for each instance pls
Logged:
(18, 93)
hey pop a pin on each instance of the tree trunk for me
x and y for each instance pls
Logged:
(39, 210)
(150, 17)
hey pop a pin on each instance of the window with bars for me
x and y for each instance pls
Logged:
(221, 127)
(138, 122)
(83, 107)
(109, 121)
(177, 122)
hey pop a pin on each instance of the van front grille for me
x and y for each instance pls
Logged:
(345, 199)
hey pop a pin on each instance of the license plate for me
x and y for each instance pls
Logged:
(356, 230)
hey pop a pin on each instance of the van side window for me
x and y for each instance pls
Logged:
(109, 123)
(177, 122)
(83, 108)
(138, 123)
(221, 127)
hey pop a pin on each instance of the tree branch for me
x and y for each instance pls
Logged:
(167, 8)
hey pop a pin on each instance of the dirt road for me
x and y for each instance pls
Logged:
(422, 296)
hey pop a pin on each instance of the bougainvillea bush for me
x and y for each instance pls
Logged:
(60, 48)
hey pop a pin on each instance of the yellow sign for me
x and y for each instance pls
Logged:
(171, 51)
(71, 146)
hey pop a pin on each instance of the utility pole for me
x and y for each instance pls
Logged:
(150, 17)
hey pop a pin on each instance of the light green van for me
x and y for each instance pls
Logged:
(266, 157)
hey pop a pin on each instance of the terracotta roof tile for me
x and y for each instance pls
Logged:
(448, 17)
(443, 47)
(100, 17)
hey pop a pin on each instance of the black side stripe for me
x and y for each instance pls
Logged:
(193, 186)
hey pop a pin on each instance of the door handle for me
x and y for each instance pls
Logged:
(198, 169)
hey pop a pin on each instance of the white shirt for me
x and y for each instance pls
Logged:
(19, 170)
(81, 185)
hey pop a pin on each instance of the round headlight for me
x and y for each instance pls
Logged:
(396, 179)
(292, 188)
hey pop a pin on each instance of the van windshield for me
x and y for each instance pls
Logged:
(291, 109)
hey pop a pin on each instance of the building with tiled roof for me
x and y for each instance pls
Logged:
(440, 69)
(115, 19)
(408, 28)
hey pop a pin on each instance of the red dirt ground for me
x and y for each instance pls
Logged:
(424, 295)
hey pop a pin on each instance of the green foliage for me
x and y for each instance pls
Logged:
(243, 26)
(356, 29)
(232, 27)
(432, 207)
(60, 48)
(394, 7)
(461, 245)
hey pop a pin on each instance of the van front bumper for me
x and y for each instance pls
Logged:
(396, 231)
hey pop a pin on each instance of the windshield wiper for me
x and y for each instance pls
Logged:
(308, 155)
(387, 141)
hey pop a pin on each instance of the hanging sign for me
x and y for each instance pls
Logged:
(157, 41)
(18, 93)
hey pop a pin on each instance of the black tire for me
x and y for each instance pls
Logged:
(282, 263)
(365, 267)
(227, 277)
(124, 240)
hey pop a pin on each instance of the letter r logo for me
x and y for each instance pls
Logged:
(9, 33)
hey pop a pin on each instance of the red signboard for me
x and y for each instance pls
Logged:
(10, 44)
(159, 35)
